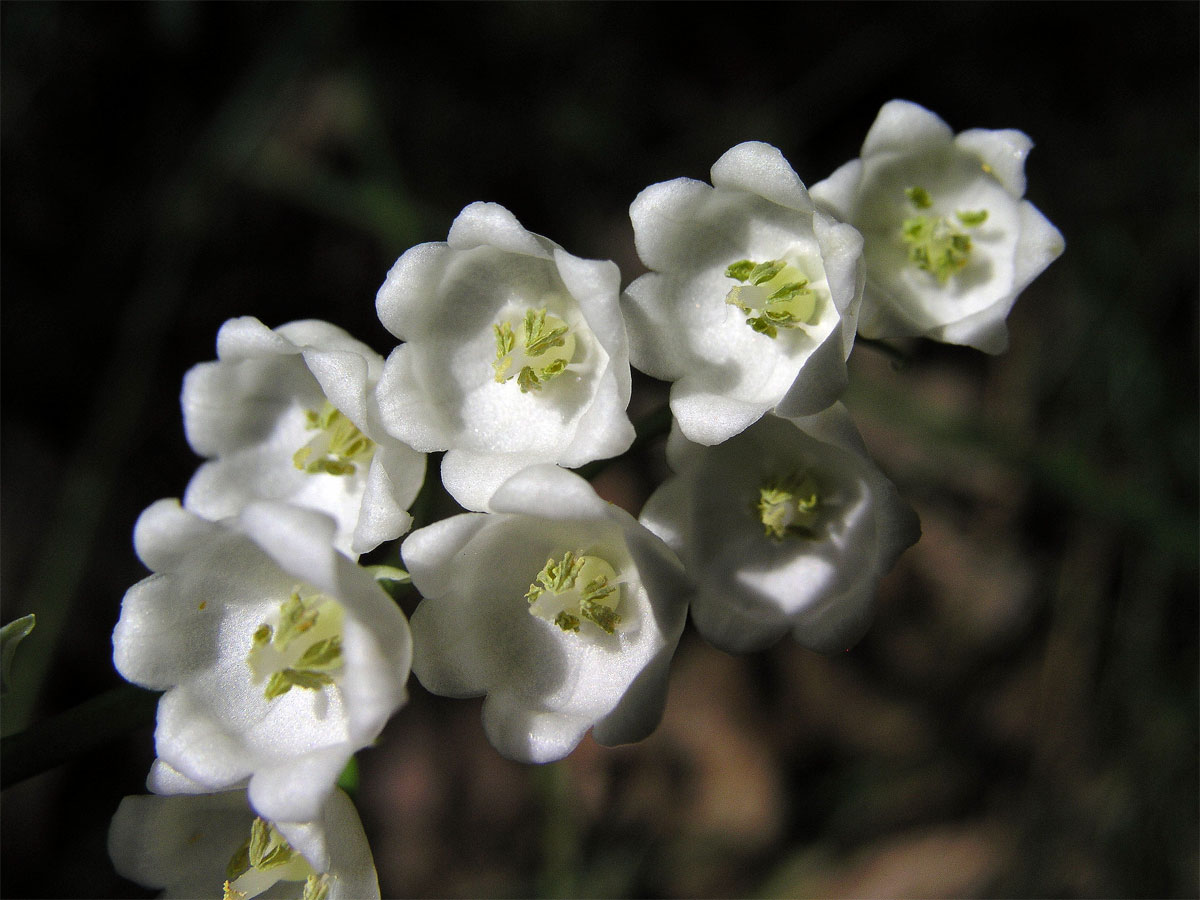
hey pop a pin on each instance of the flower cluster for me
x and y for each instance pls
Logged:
(280, 656)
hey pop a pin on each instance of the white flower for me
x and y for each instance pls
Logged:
(280, 657)
(753, 298)
(949, 243)
(558, 606)
(516, 353)
(787, 527)
(214, 845)
(289, 415)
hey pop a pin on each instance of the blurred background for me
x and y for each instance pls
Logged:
(1021, 720)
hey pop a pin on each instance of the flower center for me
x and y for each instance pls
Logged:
(773, 294)
(540, 348)
(337, 446)
(303, 648)
(265, 859)
(937, 244)
(788, 507)
(573, 588)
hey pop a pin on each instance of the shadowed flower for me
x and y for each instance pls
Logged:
(199, 846)
(788, 526)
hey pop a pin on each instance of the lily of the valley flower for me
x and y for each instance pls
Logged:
(752, 301)
(788, 526)
(215, 846)
(280, 657)
(289, 415)
(558, 606)
(516, 353)
(949, 243)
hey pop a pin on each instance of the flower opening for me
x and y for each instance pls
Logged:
(338, 446)
(266, 858)
(544, 350)
(574, 588)
(302, 649)
(773, 294)
(788, 507)
(936, 244)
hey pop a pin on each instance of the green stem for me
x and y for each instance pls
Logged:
(557, 874)
(75, 732)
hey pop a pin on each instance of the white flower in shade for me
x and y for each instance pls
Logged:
(788, 526)
(279, 656)
(290, 415)
(558, 606)
(214, 845)
(949, 243)
(753, 296)
(516, 354)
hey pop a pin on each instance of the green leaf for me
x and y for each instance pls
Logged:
(348, 780)
(10, 636)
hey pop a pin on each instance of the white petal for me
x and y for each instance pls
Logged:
(408, 406)
(299, 540)
(295, 790)
(664, 217)
(229, 407)
(550, 492)
(530, 735)
(1040, 243)
(732, 629)
(838, 194)
(491, 225)
(595, 284)
(393, 481)
(194, 743)
(343, 376)
(657, 344)
(603, 430)
(428, 552)
(905, 127)
(166, 780)
(759, 168)
(165, 533)
(247, 338)
(182, 843)
(472, 478)
(711, 418)
(1003, 150)
(821, 380)
(157, 642)
(402, 302)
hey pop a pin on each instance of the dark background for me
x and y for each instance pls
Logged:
(1022, 718)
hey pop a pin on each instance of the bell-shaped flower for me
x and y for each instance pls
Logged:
(290, 415)
(515, 354)
(948, 241)
(753, 296)
(279, 656)
(558, 606)
(214, 845)
(789, 526)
